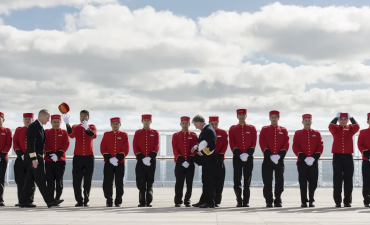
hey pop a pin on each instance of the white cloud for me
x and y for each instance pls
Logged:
(114, 61)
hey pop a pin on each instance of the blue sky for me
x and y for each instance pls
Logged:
(53, 18)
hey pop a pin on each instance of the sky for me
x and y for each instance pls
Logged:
(175, 58)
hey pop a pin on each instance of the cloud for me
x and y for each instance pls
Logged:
(115, 61)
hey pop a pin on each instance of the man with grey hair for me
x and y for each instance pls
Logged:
(34, 157)
(206, 148)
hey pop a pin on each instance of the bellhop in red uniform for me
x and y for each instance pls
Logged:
(114, 148)
(56, 145)
(274, 143)
(308, 147)
(243, 139)
(83, 159)
(5, 145)
(20, 147)
(363, 144)
(342, 157)
(182, 142)
(146, 146)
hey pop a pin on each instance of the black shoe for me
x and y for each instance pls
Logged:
(2, 204)
(16, 205)
(304, 205)
(338, 205)
(149, 205)
(59, 200)
(141, 205)
(51, 204)
(347, 205)
(197, 204)
(79, 204)
(245, 204)
(366, 205)
(311, 204)
(206, 206)
(27, 205)
(268, 205)
(187, 205)
(278, 205)
(217, 205)
(86, 204)
(117, 205)
(239, 204)
(109, 205)
(177, 205)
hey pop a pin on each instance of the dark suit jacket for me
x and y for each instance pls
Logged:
(35, 141)
(208, 134)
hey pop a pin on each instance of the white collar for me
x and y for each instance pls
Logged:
(40, 123)
(205, 125)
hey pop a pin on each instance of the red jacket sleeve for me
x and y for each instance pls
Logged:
(361, 142)
(225, 143)
(176, 151)
(254, 133)
(126, 145)
(263, 143)
(8, 142)
(194, 142)
(47, 142)
(73, 134)
(355, 128)
(333, 128)
(135, 143)
(16, 140)
(296, 143)
(286, 141)
(232, 139)
(156, 143)
(65, 145)
(320, 146)
(93, 128)
(103, 146)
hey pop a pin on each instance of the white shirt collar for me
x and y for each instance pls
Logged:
(40, 122)
(205, 125)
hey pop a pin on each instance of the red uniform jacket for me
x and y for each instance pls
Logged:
(115, 144)
(84, 143)
(363, 143)
(146, 141)
(57, 141)
(20, 139)
(342, 136)
(182, 142)
(242, 137)
(275, 138)
(221, 142)
(307, 142)
(5, 141)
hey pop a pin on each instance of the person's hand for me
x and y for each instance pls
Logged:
(193, 149)
(54, 157)
(146, 161)
(185, 164)
(114, 161)
(65, 118)
(349, 116)
(35, 163)
(199, 153)
(22, 157)
(338, 115)
(244, 157)
(85, 125)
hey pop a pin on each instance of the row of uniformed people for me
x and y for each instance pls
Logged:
(274, 142)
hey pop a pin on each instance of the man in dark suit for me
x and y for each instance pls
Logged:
(34, 157)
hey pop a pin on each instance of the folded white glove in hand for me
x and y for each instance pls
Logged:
(65, 118)
(85, 125)
(54, 157)
(275, 158)
(22, 157)
(185, 164)
(244, 157)
(113, 161)
(338, 115)
(146, 161)
(309, 161)
(202, 145)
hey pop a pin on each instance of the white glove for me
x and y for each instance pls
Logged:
(338, 115)
(54, 157)
(244, 157)
(202, 145)
(85, 125)
(65, 118)
(309, 161)
(349, 116)
(185, 164)
(146, 161)
(199, 153)
(113, 161)
(275, 158)
(23, 157)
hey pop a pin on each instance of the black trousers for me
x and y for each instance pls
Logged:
(144, 181)
(3, 167)
(209, 164)
(20, 170)
(268, 168)
(83, 169)
(242, 168)
(366, 181)
(183, 174)
(310, 175)
(37, 176)
(219, 181)
(54, 177)
(342, 173)
(116, 174)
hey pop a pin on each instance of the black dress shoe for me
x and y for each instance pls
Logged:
(177, 205)
(141, 205)
(347, 205)
(86, 204)
(206, 206)
(217, 205)
(79, 204)
(239, 204)
(197, 204)
(2, 204)
(16, 205)
(148, 205)
(311, 204)
(268, 205)
(59, 200)
(51, 204)
(338, 205)
(187, 205)
(304, 205)
(245, 204)
(27, 205)
(117, 205)
(278, 205)
(109, 205)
